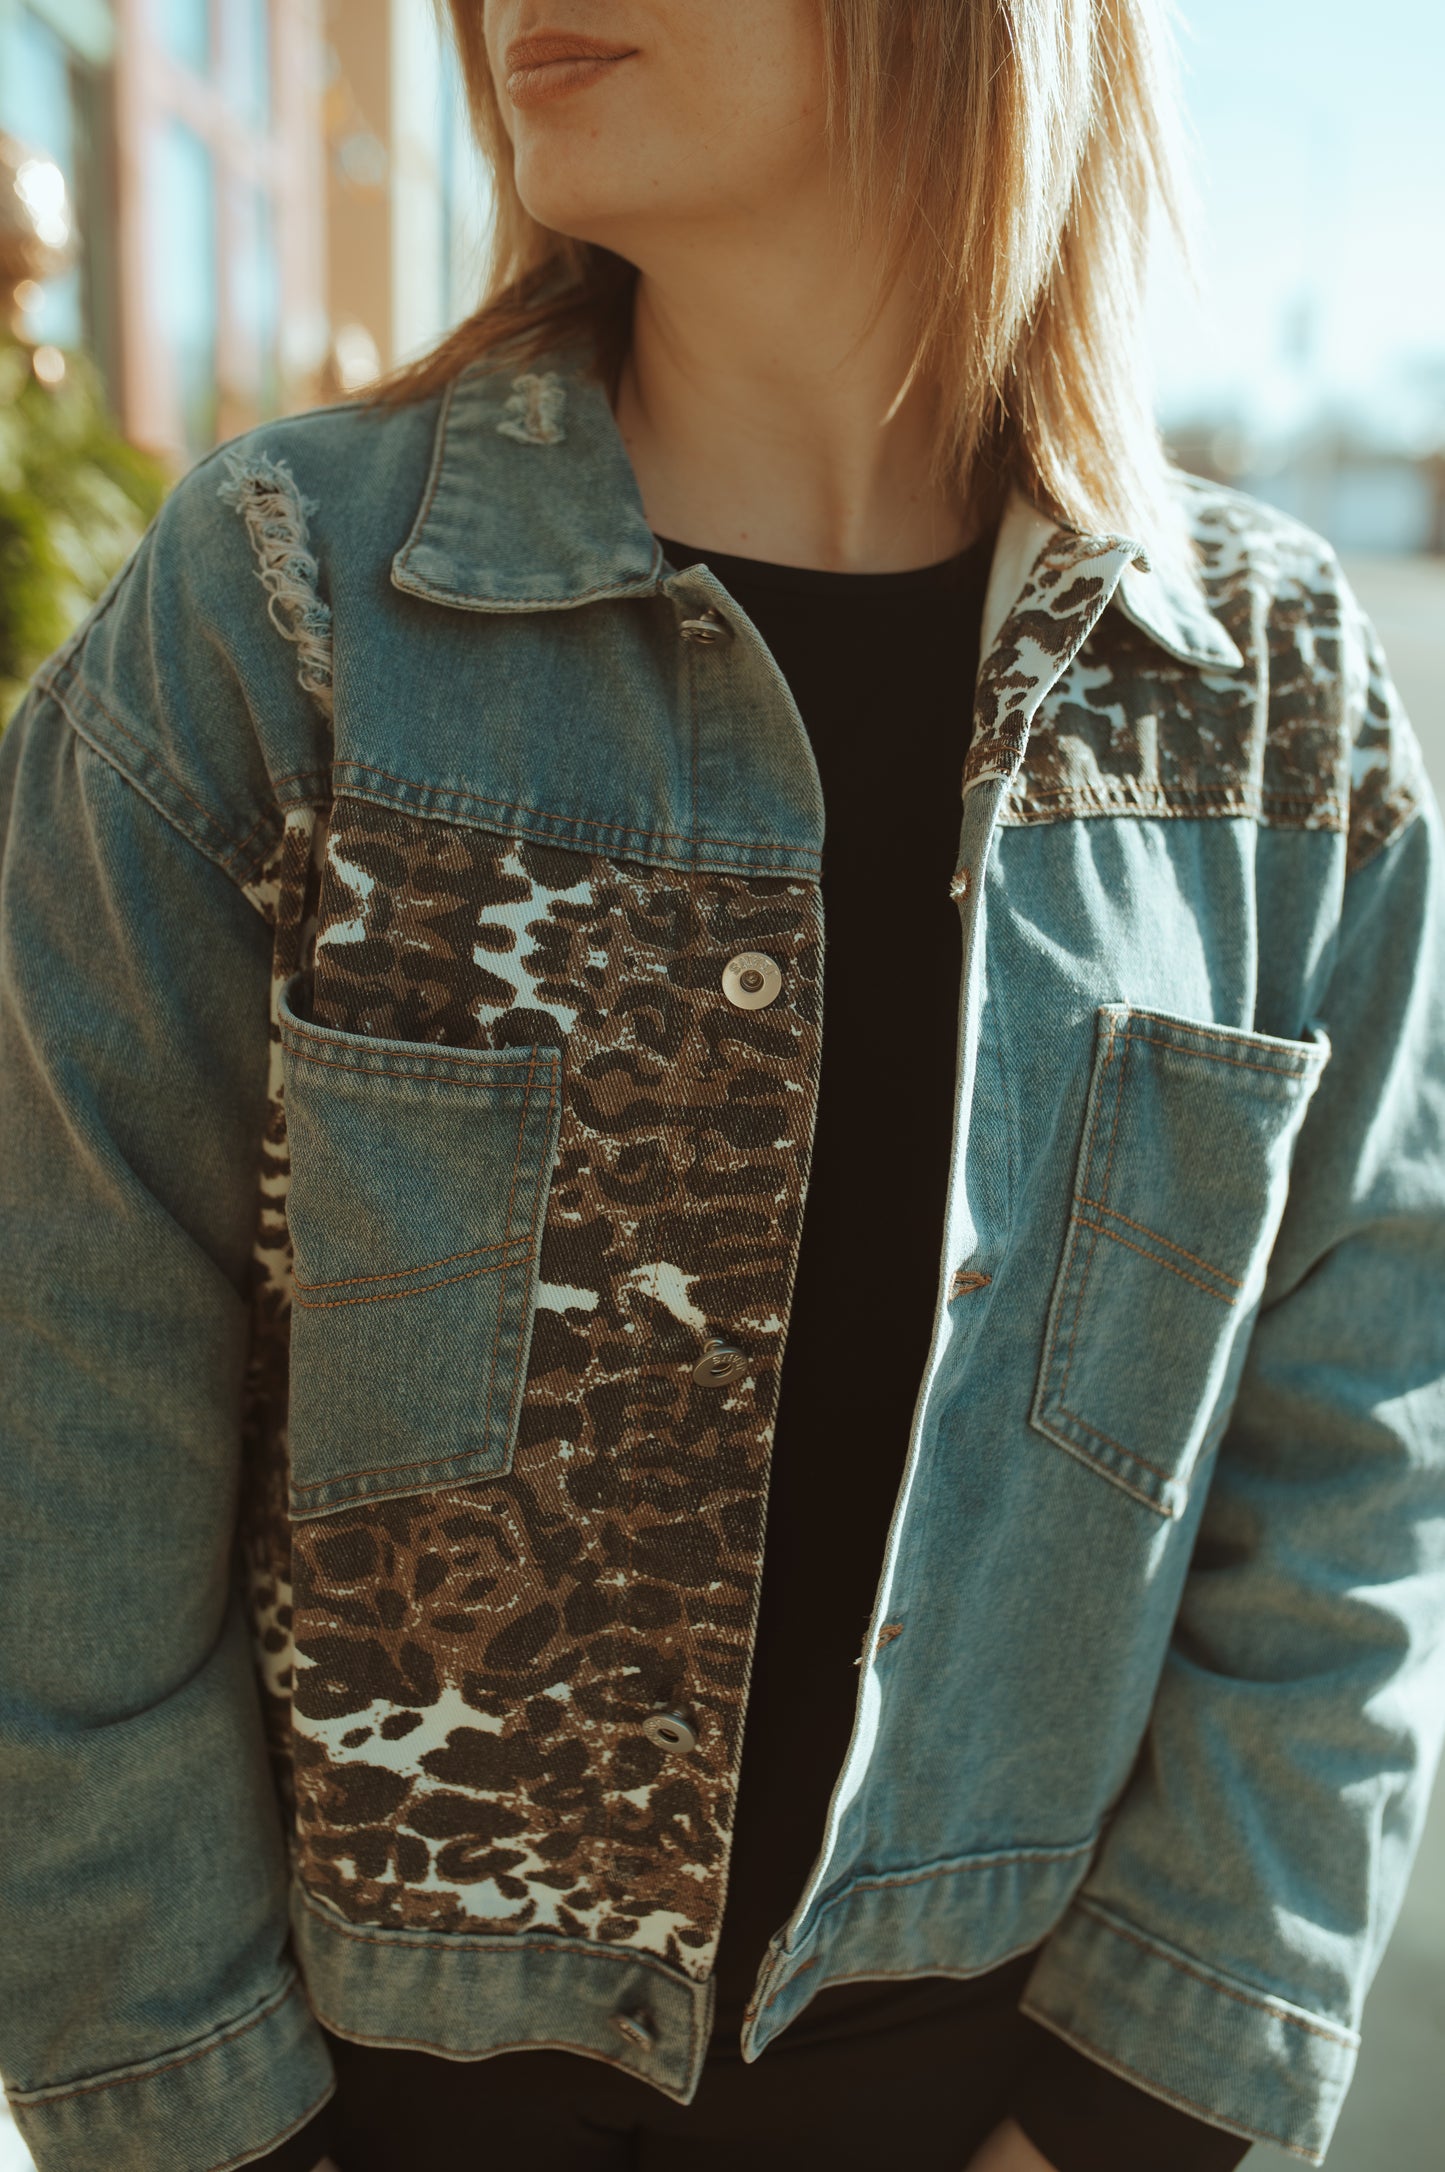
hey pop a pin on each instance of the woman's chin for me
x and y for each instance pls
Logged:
(566, 205)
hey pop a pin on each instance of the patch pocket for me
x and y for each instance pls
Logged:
(1182, 1175)
(419, 1177)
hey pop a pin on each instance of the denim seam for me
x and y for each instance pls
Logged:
(238, 871)
(942, 1870)
(1175, 2097)
(1088, 1265)
(525, 1239)
(415, 540)
(33, 2100)
(516, 2043)
(541, 1199)
(883, 1883)
(458, 1942)
(419, 1289)
(1212, 1055)
(630, 585)
(51, 684)
(493, 1077)
(231, 2163)
(1390, 837)
(1197, 1029)
(507, 1264)
(1168, 1242)
(912, 1975)
(397, 1274)
(1168, 1265)
(1101, 1470)
(433, 481)
(1260, 2000)
(1164, 802)
(321, 777)
(1132, 1455)
(570, 821)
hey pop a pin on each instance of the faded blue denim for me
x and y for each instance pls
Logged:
(1170, 1543)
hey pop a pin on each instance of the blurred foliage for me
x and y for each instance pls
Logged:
(75, 499)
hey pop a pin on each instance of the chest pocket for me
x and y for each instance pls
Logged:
(1181, 1181)
(419, 1178)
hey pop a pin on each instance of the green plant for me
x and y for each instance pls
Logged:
(75, 499)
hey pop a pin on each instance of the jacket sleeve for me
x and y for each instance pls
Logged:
(1220, 1949)
(151, 2019)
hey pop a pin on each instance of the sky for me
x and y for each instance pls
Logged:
(1320, 157)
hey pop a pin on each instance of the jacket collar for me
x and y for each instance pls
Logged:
(531, 504)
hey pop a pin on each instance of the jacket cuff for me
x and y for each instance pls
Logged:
(1224, 2051)
(218, 2103)
(305, 2150)
(1082, 2118)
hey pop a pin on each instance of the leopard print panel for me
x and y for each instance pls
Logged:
(284, 891)
(1292, 740)
(472, 1665)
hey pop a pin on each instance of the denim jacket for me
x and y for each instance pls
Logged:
(411, 990)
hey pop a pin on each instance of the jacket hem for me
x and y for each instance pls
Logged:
(958, 1918)
(215, 2104)
(1226, 2051)
(469, 1997)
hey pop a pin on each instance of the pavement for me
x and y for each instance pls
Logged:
(1394, 2116)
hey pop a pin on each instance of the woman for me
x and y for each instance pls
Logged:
(1062, 1774)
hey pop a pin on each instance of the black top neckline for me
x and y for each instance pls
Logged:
(729, 566)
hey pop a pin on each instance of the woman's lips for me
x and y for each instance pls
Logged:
(540, 69)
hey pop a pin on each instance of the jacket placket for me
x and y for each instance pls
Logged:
(1064, 595)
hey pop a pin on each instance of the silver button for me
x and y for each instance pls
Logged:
(719, 1364)
(638, 2026)
(751, 980)
(670, 1731)
(709, 625)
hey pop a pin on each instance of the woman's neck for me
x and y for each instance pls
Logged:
(753, 406)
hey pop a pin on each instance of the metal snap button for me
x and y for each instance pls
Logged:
(719, 1363)
(709, 625)
(671, 1731)
(638, 2026)
(751, 980)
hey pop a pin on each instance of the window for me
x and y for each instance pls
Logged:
(185, 28)
(48, 103)
(183, 199)
(224, 266)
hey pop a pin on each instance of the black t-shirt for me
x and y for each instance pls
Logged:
(881, 667)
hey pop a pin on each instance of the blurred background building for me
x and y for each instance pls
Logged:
(273, 199)
(256, 205)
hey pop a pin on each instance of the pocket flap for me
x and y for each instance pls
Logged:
(1181, 1180)
(419, 1177)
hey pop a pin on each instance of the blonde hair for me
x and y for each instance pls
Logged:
(1037, 138)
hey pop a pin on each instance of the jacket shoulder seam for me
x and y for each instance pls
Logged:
(241, 861)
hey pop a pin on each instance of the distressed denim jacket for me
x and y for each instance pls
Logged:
(411, 990)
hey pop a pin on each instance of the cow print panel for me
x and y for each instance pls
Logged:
(1309, 735)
